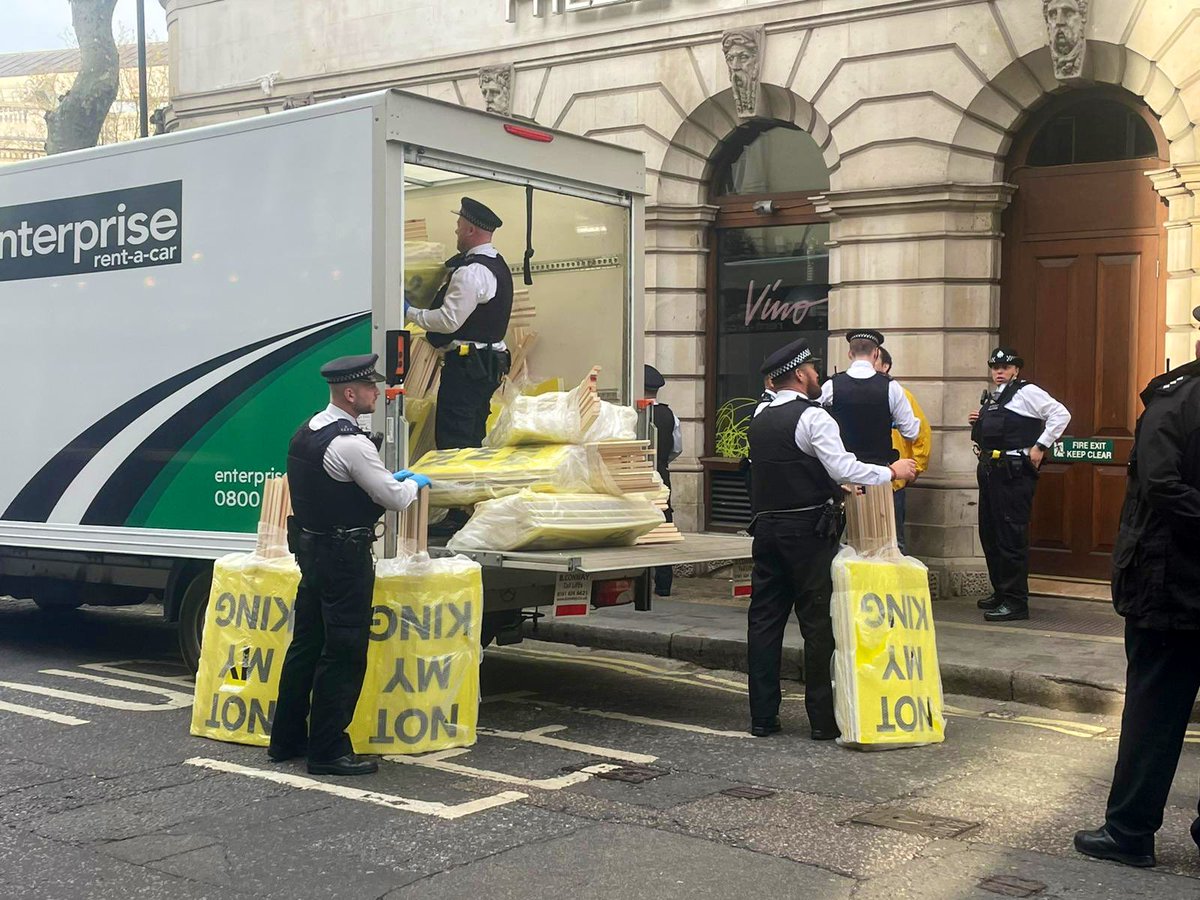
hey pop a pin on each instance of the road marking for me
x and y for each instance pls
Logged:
(526, 698)
(40, 714)
(175, 699)
(538, 736)
(1037, 632)
(1071, 729)
(392, 801)
(116, 668)
(438, 762)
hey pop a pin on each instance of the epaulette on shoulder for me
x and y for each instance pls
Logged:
(347, 427)
(1172, 386)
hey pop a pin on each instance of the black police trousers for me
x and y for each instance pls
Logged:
(791, 574)
(1005, 500)
(1161, 681)
(465, 394)
(327, 658)
(664, 576)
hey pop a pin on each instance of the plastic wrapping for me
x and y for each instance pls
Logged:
(536, 521)
(424, 271)
(887, 684)
(468, 476)
(247, 629)
(421, 691)
(554, 418)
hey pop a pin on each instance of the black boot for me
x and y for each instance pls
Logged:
(990, 602)
(350, 764)
(1099, 844)
(1008, 611)
(764, 727)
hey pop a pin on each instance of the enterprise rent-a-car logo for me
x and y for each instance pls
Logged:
(125, 229)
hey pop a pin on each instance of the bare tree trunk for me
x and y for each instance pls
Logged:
(81, 111)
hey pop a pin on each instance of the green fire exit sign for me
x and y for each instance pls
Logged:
(1087, 450)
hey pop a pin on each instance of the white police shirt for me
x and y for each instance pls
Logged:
(817, 434)
(904, 419)
(1034, 403)
(352, 457)
(470, 287)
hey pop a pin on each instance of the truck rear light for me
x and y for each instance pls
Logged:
(613, 592)
(529, 134)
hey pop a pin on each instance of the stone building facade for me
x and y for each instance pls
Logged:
(1023, 170)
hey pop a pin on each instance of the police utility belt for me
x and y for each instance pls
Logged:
(305, 540)
(996, 457)
(830, 523)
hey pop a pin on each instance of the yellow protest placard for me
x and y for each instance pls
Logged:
(888, 687)
(421, 690)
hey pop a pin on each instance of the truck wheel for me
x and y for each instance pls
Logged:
(191, 617)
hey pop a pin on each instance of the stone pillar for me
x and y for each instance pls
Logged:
(677, 254)
(922, 264)
(1180, 187)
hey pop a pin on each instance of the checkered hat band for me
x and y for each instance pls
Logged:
(793, 363)
(864, 336)
(358, 375)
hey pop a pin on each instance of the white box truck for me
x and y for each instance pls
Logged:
(167, 304)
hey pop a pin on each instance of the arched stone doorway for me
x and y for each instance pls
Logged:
(1083, 300)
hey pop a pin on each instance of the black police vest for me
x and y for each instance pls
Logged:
(783, 477)
(488, 323)
(863, 411)
(999, 428)
(319, 502)
(664, 424)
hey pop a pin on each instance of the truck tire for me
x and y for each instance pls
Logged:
(191, 617)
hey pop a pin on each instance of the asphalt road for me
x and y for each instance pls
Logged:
(103, 794)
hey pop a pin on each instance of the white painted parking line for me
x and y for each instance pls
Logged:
(438, 762)
(392, 801)
(40, 714)
(538, 736)
(119, 668)
(174, 699)
(528, 698)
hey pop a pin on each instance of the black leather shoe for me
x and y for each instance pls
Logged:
(350, 764)
(1099, 844)
(764, 727)
(1007, 612)
(991, 601)
(826, 734)
(283, 753)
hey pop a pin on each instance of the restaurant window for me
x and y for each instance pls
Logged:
(769, 285)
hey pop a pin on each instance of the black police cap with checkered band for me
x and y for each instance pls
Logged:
(783, 360)
(1005, 356)
(346, 369)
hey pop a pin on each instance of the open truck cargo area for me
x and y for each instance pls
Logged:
(182, 292)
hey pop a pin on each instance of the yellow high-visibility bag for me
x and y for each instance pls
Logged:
(887, 684)
(247, 630)
(421, 691)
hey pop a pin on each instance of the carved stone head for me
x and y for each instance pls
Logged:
(743, 54)
(1066, 22)
(495, 83)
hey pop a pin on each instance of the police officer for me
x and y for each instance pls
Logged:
(669, 446)
(867, 403)
(1012, 431)
(1156, 587)
(798, 462)
(468, 321)
(339, 490)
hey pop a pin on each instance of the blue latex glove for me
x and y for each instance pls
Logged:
(421, 481)
(402, 475)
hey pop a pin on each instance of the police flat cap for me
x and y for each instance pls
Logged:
(783, 360)
(478, 215)
(1005, 356)
(653, 379)
(346, 369)
(866, 334)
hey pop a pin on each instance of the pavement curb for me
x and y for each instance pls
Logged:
(686, 645)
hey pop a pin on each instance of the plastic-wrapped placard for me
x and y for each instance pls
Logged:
(536, 521)
(421, 690)
(554, 418)
(424, 272)
(888, 687)
(247, 629)
(468, 476)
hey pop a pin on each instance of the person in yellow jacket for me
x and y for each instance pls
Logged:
(917, 449)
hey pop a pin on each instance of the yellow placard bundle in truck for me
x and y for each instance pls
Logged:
(577, 416)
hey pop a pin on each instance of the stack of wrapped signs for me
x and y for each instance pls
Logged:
(666, 533)
(577, 416)
(887, 684)
(538, 521)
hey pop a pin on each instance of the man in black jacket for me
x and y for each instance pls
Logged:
(1156, 587)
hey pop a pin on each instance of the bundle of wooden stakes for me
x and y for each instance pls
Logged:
(412, 524)
(630, 465)
(666, 533)
(871, 521)
(589, 400)
(272, 518)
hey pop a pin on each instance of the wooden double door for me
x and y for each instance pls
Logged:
(1082, 300)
